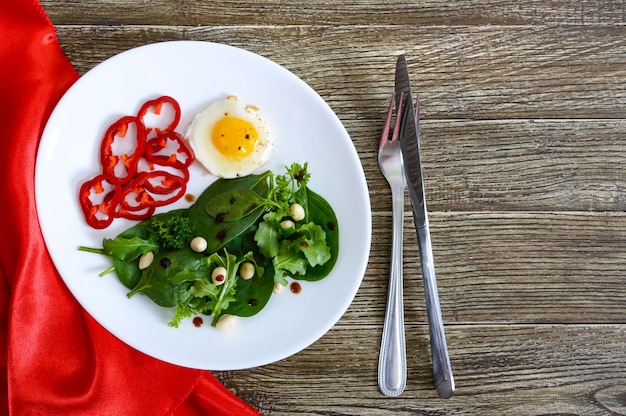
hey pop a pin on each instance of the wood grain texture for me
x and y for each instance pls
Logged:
(325, 12)
(500, 370)
(467, 72)
(523, 141)
(510, 267)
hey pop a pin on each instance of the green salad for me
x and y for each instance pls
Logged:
(226, 253)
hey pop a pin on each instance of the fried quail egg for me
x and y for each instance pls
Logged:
(230, 139)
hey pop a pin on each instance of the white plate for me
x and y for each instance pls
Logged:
(196, 74)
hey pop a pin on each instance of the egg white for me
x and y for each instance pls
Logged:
(225, 166)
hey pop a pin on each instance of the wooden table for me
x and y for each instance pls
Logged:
(523, 140)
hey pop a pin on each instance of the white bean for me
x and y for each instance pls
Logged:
(198, 244)
(218, 276)
(297, 212)
(146, 260)
(246, 270)
(287, 224)
(226, 323)
(277, 288)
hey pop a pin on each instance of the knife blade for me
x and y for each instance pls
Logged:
(410, 144)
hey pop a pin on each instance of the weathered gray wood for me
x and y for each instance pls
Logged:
(509, 267)
(463, 72)
(326, 12)
(500, 370)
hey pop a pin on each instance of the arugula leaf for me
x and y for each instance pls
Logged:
(126, 249)
(312, 244)
(289, 262)
(226, 290)
(268, 239)
(207, 298)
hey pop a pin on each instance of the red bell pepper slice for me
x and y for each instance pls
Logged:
(156, 116)
(152, 189)
(135, 215)
(119, 154)
(98, 198)
(145, 166)
(169, 149)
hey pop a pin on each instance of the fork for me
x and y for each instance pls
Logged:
(392, 360)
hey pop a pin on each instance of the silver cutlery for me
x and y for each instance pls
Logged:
(392, 360)
(410, 144)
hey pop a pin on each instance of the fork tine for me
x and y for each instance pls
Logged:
(385, 136)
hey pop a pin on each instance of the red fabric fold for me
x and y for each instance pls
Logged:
(55, 359)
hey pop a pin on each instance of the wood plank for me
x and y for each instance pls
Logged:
(499, 370)
(508, 268)
(463, 72)
(510, 165)
(325, 12)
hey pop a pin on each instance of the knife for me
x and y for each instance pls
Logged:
(410, 144)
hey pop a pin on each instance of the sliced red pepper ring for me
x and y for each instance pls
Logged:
(152, 189)
(159, 115)
(135, 215)
(98, 198)
(146, 166)
(169, 149)
(162, 182)
(119, 152)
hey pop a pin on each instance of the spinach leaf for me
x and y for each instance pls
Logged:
(127, 272)
(233, 205)
(168, 279)
(244, 243)
(252, 295)
(218, 233)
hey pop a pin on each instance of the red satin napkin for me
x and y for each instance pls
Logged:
(56, 360)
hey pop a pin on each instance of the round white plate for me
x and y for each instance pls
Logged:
(196, 74)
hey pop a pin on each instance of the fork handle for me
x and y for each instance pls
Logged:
(392, 360)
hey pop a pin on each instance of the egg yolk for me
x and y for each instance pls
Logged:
(234, 137)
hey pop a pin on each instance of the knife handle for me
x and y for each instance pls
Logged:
(442, 371)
